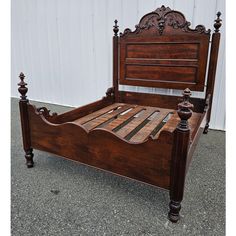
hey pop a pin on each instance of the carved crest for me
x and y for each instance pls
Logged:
(163, 18)
(45, 112)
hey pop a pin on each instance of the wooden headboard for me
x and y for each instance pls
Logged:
(162, 52)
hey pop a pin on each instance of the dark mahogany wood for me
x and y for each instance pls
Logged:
(147, 137)
(158, 100)
(81, 111)
(115, 60)
(212, 67)
(23, 103)
(164, 52)
(105, 150)
(179, 157)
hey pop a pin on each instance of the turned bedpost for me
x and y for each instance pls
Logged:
(23, 105)
(115, 59)
(179, 156)
(212, 67)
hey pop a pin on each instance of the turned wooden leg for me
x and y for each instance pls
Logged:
(179, 157)
(173, 214)
(205, 131)
(29, 158)
(25, 126)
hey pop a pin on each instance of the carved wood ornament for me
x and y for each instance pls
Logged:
(185, 110)
(162, 18)
(45, 112)
(22, 87)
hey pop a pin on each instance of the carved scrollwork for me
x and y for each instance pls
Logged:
(45, 112)
(161, 11)
(176, 19)
(201, 29)
(163, 17)
(148, 22)
(127, 31)
(151, 20)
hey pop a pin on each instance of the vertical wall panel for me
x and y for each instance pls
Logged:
(65, 47)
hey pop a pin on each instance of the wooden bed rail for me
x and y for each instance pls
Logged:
(159, 100)
(82, 111)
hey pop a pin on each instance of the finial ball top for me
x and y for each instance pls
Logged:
(187, 92)
(116, 27)
(22, 87)
(22, 75)
(218, 24)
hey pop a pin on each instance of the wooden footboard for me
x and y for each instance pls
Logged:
(100, 148)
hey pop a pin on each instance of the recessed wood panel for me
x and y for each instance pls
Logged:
(161, 73)
(163, 50)
(168, 61)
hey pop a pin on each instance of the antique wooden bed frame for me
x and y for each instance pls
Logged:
(138, 135)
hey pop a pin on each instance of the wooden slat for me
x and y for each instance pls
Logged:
(124, 131)
(110, 121)
(105, 117)
(97, 113)
(143, 133)
(121, 119)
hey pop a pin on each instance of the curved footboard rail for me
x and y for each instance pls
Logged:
(103, 149)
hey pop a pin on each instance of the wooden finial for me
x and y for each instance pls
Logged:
(217, 24)
(163, 7)
(22, 87)
(184, 110)
(116, 28)
(110, 92)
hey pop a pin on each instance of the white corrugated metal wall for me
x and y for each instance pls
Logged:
(65, 46)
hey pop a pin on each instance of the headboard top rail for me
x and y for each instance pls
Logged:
(165, 21)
